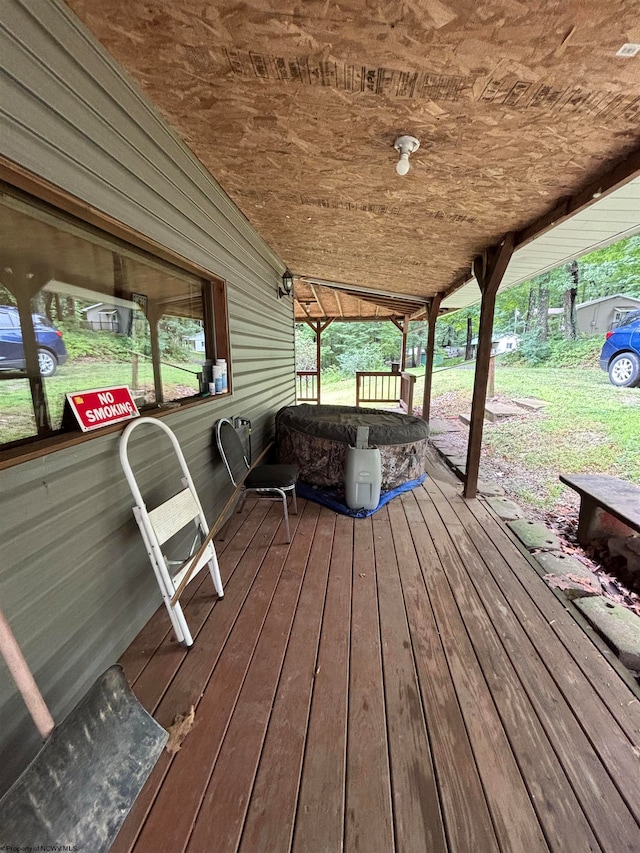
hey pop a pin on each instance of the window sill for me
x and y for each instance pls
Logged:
(36, 448)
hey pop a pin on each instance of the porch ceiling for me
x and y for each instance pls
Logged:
(294, 109)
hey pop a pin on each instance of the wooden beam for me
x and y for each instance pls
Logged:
(604, 184)
(489, 270)
(154, 314)
(339, 305)
(360, 290)
(428, 367)
(317, 298)
(307, 315)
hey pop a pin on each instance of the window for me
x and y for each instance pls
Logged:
(81, 310)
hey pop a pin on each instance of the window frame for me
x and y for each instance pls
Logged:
(39, 195)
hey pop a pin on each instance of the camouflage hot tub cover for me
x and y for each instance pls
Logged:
(315, 438)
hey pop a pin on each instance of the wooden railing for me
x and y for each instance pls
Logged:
(307, 386)
(379, 386)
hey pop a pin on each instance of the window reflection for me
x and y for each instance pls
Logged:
(99, 313)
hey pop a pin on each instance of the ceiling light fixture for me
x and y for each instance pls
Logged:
(405, 145)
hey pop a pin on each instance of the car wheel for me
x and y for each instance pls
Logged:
(47, 362)
(624, 370)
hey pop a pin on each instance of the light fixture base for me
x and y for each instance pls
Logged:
(406, 144)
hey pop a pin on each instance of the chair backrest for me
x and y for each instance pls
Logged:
(231, 450)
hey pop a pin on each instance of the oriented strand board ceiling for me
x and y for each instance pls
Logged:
(294, 108)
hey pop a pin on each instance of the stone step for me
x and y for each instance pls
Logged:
(532, 404)
(507, 510)
(618, 625)
(442, 425)
(534, 535)
(568, 574)
(494, 412)
(498, 411)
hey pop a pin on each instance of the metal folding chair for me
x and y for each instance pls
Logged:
(159, 525)
(275, 482)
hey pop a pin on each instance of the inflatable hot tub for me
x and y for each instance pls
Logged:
(315, 438)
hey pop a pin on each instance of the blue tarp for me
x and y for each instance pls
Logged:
(334, 498)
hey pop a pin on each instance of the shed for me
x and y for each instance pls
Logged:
(106, 316)
(600, 315)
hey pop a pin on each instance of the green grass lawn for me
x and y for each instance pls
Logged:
(16, 416)
(589, 425)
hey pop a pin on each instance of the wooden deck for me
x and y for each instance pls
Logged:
(400, 683)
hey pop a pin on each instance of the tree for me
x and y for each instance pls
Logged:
(467, 349)
(569, 302)
(531, 310)
(542, 314)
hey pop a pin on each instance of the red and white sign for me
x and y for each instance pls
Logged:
(102, 406)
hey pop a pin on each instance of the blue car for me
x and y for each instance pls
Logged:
(51, 349)
(620, 355)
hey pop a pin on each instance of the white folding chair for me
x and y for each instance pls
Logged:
(159, 525)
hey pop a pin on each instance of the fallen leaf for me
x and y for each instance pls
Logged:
(179, 729)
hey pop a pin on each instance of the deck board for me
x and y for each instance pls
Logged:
(180, 796)
(222, 811)
(368, 797)
(416, 806)
(560, 816)
(467, 820)
(567, 724)
(401, 683)
(320, 810)
(514, 817)
(278, 779)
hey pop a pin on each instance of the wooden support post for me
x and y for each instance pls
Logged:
(30, 286)
(489, 271)
(491, 379)
(154, 313)
(318, 327)
(405, 336)
(318, 368)
(134, 371)
(434, 308)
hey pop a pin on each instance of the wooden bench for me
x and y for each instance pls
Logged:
(608, 506)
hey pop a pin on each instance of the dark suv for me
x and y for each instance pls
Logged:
(620, 354)
(51, 348)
